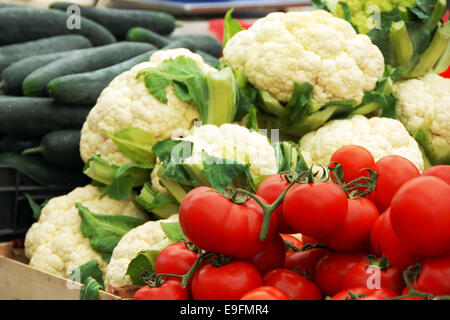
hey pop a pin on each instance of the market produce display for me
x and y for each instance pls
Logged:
(193, 194)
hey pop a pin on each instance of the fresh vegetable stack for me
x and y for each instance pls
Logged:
(193, 198)
(52, 75)
(373, 218)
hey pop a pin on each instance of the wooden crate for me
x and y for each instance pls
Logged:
(19, 281)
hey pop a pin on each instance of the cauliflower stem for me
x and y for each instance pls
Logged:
(410, 33)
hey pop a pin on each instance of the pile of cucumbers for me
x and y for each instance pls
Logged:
(51, 76)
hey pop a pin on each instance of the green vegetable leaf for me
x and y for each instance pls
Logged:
(172, 153)
(221, 172)
(117, 182)
(320, 4)
(300, 100)
(173, 231)
(89, 269)
(123, 180)
(144, 261)
(190, 81)
(105, 231)
(36, 208)
(231, 27)
(134, 143)
(90, 289)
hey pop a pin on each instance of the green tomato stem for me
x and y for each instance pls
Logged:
(267, 209)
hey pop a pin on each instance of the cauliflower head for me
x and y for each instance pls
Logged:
(55, 243)
(127, 103)
(314, 47)
(424, 105)
(229, 141)
(381, 136)
(140, 238)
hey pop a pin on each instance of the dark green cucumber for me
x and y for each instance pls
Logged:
(20, 24)
(139, 34)
(119, 21)
(203, 42)
(61, 148)
(38, 116)
(35, 84)
(85, 88)
(18, 143)
(181, 43)
(15, 52)
(12, 77)
(209, 59)
(34, 167)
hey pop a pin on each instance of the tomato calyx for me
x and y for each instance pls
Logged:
(308, 246)
(355, 296)
(412, 273)
(357, 188)
(381, 263)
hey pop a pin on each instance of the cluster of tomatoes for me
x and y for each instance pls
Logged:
(360, 240)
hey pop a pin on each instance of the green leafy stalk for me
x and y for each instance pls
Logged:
(160, 204)
(403, 46)
(231, 27)
(118, 181)
(134, 143)
(222, 97)
(105, 231)
(434, 52)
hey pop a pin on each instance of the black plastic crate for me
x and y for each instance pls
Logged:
(16, 215)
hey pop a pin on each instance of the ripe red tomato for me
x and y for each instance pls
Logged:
(228, 282)
(353, 160)
(292, 240)
(369, 294)
(272, 255)
(391, 247)
(354, 233)
(393, 172)
(175, 259)
(214, 223)
(434, 277)
(304, 262)
(293, 285)
(170, 290)
(313, 217)
(332, 269)
(375, 235)
(265, 293)
(373, 276)
(420, 216)
(442, 172)
(270, 189)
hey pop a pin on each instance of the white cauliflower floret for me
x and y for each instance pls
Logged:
(230, 141)
(381, 136)
(424, 104)
(313, 47)
(127, 103)
(140, 238)
(55, 243)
